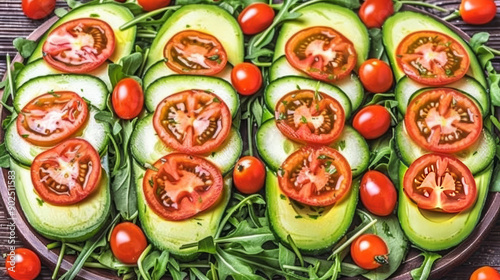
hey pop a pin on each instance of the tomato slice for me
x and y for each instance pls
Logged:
(443, 120)
(181, 186)
(432, 58)
(440, 183)
(80, 45)
(196, 53)
(310, 117)
(315, 176)
(322, 53)
(52, 117)
(67, 173)
(192, 121)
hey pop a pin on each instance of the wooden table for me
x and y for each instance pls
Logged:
(14, 24)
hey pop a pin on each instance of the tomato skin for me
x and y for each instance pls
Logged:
(485, 273)
(38, 9)
(369, 251)
(246, 78)
(373, 13)
(127, 242)
(255, 18)
(249, 175)
(376, 75)
(372, 121)
(151, 5)
(127, 99)
(24, 265)
(377, 193)
(478, 11)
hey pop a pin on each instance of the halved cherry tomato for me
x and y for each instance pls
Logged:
(485, 273)
(151, 5)
(249, 175)
(255, 18)
(376, 75)
(372, 121)
(322, 53)
(369, 251)
(310, 117)
(80, 45)
(127, 99)
(24, 264)
(432, 58)
(373, 13)
(38, 9)
(440, 183)
(183, 186)
(246, 78)
(377, 193)
(443, 120)
(315, 176)
(67, 173)
(52, 117)
(478, 11)
(127, 242)
(192, 121)
(196, 53)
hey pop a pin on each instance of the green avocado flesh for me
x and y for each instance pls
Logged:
(435, 231)
(71, 223)
(313, 231)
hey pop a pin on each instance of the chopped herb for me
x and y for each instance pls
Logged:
(213, 154)
(448, 72)
(282, 196)
(313, 216)
(172, 121)
(216, 100)
(25, 135)
(341, 145)
(330, 77)
(219, 61)
(281, 172)
(199, 199)
(198, 223)
(298, 217)
(322, 157)
(208, 91)
(282, 116)
(214, 57)
(188, 26)
(312, 69)
(151, 182)
(40, 202)
(329, 168)
(81, 89)
(298, 87)
(284, 102)
(94, 15)
(387, 230)
(303, 119)
(51, 92)
(475, 153)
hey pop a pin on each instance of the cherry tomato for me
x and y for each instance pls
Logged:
(376, 75)
(183, 186)
(372, 121)
(432, 58)
(127, 242)
(246, 78)
(127, 99)
(255, 18)
(50, 118)
(478, 11)
(38, 9)
(485, 273)
(373, 13)
(310, 117)
(151, 5)
(377, 193)
(443, 120)
(80, 45)
(67, 173)
(315, 176)
(249, 175)
(24, 264)
(322, 53)
(369, 251)
(440, 183)
(192, 121)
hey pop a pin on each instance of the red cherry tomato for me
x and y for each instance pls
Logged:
(246, 78)
(127, 99)
(249, 175)
(369, 251)
(151, 5)
(256, 18)
(377, 193)
(373, 13)
(372, 121)
(38, 9)
(24, 264)
(127, 242)
(485, 273)
(478, 11)
(376, 75)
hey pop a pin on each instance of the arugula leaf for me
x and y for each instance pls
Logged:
(376, 46)
(24, 46)
(285, 257)
(4, 156)
(423, 272)
(249, 238)
(160, 267)
(229, 265)
(131, 63)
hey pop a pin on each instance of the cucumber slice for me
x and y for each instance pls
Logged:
(406, 88)
(147, 147)
(282, 86)
(477, 157)
(274, 148)
(160, 70)
(167, 86)
(115, 15)
(24, 152)
(90, 88)
(352, 86)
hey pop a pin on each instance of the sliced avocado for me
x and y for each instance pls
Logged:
(208, 19)
(73, 223)
(435, 231)
(314, 230)
(171, 235)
